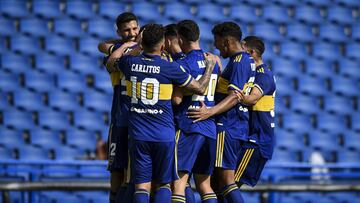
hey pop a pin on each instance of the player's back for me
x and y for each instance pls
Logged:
(194, 63)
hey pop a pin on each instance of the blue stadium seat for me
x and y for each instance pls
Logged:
(89, 120)
(287, 2)
(305, 104)
(288, 140)
(290, 199)
(272, 31)
(51, 172)
(54, 120)
(63, 101)
(97, 101)
(343, 196)
(33, 153)
(293, 50)
(205, 31)
(49, 63)
(102, 82)
(225, 2)
(352, 51)
(34, 26)
(343, 86)
(39, 82)
(355, 31)
(6, 154)
(331, 123)
(280, 105)
(28, 100)
(300, 32)
(326, 51)
(297, 123)
(15, 63)
(3, 46)
(350, 68)
(286, 67)
(80, 9)
(325, 142)
(81, 139)
(284, 156)
(68, 27)
(9, 82)
(68, 153)
(111, 9)
(348, 156)
(140, 7)
(355, 121)
(94, 172)
(18, 119)
(243, 13)
(318, 2)
(319, 68)
(45, 139)
(59, 45)
(352, 139)
(276, 14)
(72, 82)
(4, 101)
(349, 3)
(308, 14)
(178, 11)
(14, 9)
(84, 64)
(340, 15)
(24, 44)
(211, 12)
(313, 86)
(62, 197)
(333, 33)
(7, 27)
(94, 196)
(284, 86)
(88, 45)
(11, 139)
(47, 9)
(102, 28)
(338, 105)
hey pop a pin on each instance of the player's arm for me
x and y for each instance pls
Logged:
(177, 95)
(111, 64)
(106, 46)
(252, 98)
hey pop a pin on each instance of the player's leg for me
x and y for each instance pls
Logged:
(227, 152)
(189, 193)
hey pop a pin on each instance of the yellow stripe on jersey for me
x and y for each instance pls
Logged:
(234, 86)
(222, 86)
(265, 103)
(115, 78)
(165, 90)
(186, 82)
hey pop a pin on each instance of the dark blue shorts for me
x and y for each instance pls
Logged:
(196, 153)
(153, 161)
(227, 151)
(250, 165)
(117, 148)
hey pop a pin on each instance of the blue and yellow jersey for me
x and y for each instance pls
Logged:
(262, 113)
(194, 63)
(120, 102)
(149, 81)
(239, 74)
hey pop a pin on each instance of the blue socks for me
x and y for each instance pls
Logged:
(178, 199)
(141, 196)
(209, 198)
(232, 194)
(189, 194)
(162, 194)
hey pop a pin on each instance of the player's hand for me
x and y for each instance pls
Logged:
(199, 114)
(210, 59)
(130, 44)
(240, 96)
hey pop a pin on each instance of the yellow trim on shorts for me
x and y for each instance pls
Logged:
(177, 136)
(220, 149)
(243, 164)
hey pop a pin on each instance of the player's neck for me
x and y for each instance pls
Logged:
(191, 46)
(258, 62)
(235, 48)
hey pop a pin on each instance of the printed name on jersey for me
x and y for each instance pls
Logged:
(145, 68)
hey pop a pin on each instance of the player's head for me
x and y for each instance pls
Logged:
(127, 26)
(171, 36)
(226, 35)
(153, 38)
(254, 45)
(188, 32)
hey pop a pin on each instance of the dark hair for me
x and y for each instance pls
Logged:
(152, 35)
(171, 30)
(255, 43)
(189, 30)
(125, 18)
(227, 29)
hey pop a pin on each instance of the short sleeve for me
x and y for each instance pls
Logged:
(240, 75)
(264, 83)
(179, 75)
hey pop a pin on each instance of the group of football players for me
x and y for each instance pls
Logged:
(178, 113)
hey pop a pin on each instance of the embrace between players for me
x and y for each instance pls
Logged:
(176, 113)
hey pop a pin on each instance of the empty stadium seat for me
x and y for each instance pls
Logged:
(286, 2)
(102, 82)
(15, 63)
(93, 172)
(350, 68)
(140, 7)
(51, 172)
(18, 119)
(49, 63)
(6, 154)
(102, 28)
(81, 139)
(11, 139)
(33, 153)
(300, 32)
(68, 153)
(352, 51)
(79, 9)
(72, 82)
(284, 156)
(28, 100)
(84, 64)
(97, 101)
(342, 85)
(288, 140)
(338, 105)
(313, 86)
(4, 101)
(286, 67)
(178, 11)
(305, 104)
(319, 68)
(62, 197)
(7, 27)
(276, 14)
(47, 9)
(272, 31)
(297, 123)
(355, 121)
(243, 13)
(348, 156)
(24, 44)
(355, 31)
(68, 27)
(3, 46)
(284, 86)
(89, 120)
(34, 26)
(39, 82)
(293, 50)
(340, 15)
(318, 2)
(15, 9)
(331, 123)
(111, 9)
(88, 45)
(205, 31)
(352, 139)
(333, 33)
(326, 51)
(59, 45)
(308, 14)
(45, 139)
(63, 101)
(54, 120)
(9, 81)
(211, 12)
(324, 141)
